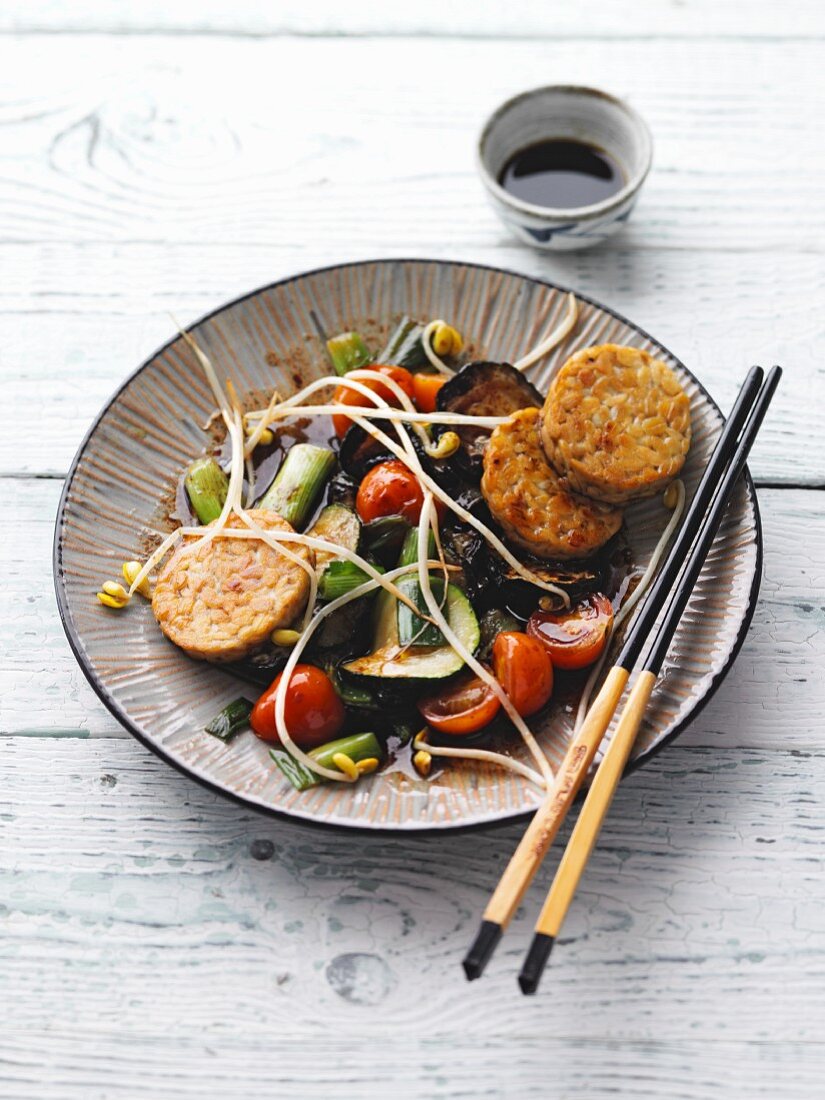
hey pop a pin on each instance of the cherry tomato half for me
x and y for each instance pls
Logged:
(425, 390)
(389, 489)
(574, 638)
(344, 395)
(523, 668)
(463, 708)
(313, 709)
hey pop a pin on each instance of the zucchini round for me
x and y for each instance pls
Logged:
(389, 661)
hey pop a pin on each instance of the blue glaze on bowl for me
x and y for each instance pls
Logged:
(579, 114)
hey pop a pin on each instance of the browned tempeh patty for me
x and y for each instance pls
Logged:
(616, 423)
(221, 601)
(530, 501)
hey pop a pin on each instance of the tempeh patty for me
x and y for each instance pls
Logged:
(532, 504)
(222, 600)
(616, 423)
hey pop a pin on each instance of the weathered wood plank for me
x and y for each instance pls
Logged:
(78, 318)
(197, 146)
(520, 18)
(773, 695)
(76, 1066)
(197, 925)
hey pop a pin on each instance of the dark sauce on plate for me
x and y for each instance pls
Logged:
(562, 174)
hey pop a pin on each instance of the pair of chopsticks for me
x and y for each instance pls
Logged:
(673, 586)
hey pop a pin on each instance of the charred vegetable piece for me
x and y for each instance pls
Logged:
(339, 524)
(342, 489)
(348, 352)
(404, 347)
(359, 746)
(299, 482)
(384, 537)
(231, 720)
(353, 694)
(261, 667)
(206, 486)
(522, 596)
(484, 389)
(495, 622)
(359, 452)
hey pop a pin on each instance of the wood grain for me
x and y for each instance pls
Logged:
(708, 874)
(497, 19)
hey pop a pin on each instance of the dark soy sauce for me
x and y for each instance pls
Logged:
(561, 174)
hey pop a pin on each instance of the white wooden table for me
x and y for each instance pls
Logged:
(158, 941)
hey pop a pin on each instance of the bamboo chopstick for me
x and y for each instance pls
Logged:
(600, 795)
(545, 824)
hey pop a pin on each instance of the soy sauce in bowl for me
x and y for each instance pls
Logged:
(562, 174)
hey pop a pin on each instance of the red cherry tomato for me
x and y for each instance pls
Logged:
(389, 489)
(344, 395)
(425, 390)
(574, 638)
(463, 708)
(313, 709)
(524, 669)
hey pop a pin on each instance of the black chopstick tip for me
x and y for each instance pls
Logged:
(482, 950)
(535, 963)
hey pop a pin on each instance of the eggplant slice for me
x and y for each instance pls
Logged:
(484, 389)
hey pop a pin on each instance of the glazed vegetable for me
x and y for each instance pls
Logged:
(484, 389)
(523, 668)
(206, 486)
(413, 629)
(522, 596)
(389, 489)
(493, 623)
(465, 707)
(388, 662)
(344, 395)
(404, 347)
(575, 638)
(339, 524)
(426, 388)
(299, 482)
(348, 352)
(385, 536)
(313, 713)
(231, 720)
(358, 747)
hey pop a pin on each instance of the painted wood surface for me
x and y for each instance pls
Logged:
(156, 941)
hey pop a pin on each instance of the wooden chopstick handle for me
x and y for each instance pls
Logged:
(545, 824)
(596, 805)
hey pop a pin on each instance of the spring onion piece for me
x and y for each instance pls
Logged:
(206, 486)
(358, 746)
(348, 352)
(340, 577)
(299, 482)
(231, 720)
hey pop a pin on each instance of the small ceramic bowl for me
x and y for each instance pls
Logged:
(571, 112)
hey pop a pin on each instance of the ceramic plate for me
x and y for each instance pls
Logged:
(152, 428)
